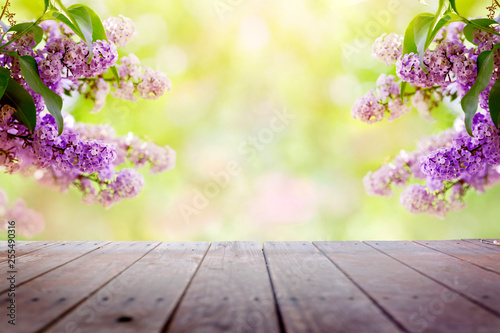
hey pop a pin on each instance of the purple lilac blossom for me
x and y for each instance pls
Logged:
(89, 157)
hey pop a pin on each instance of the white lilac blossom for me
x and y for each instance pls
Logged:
(92, 158)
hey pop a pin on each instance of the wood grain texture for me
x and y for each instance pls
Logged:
(415, 301)
(231, 292)
(142, 297)
(484, 243)
(46, 259)
(481, 256)
(315, 296)
(23, 248)
(426, 286)
(479, 285)
(48, 297)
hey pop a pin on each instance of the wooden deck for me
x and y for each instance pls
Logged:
(377, 286)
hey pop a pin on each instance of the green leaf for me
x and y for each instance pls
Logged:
(29, 27)
(47, 4)
(439, 13)
(476, 25)
(11, 53)
(441, 23)
(115, 74)
(4, 80)
(17, 97)
(471, 99)
(403, 88)
(453, 5)
(494, 102)
(98, 31)
(422, 30)
(82, 17)
(62, 18)
(409, 45)
(52, 100)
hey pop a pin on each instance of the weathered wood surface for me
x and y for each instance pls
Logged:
(312, 294)
(485, 257)
(48, 297)
(22, 247)
(376, 286)
(143, 297)
(46, 259)
(231, 292)
(413, 300)
(477, 284)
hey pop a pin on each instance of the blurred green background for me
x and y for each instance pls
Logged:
(235, 65)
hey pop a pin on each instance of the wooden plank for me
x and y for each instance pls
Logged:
(313, 295)
(46, 298)
(231, 292)
(488, 243)
(418, 303)
(46, 259)
(479, 285)
(23, 248)
(141, 298)
(481, 256)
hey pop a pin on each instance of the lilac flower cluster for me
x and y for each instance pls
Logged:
(126, 183)
(135, 80)
(91, 158)
(442, 190)
(131, 149)
(63, 57)
(120, 30)
(388, 48)
(465, 154)
(450, 63)
(385, 99)
(139, 80)
(445, 166)
(404, 166)
(68, 151)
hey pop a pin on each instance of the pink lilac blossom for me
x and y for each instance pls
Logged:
(3, 201)
(139, 80)
(28, 222)
(126, 183)
(452, 32)
(120, 30)
(131, 148)
(373, 106)
(416, 199)
(388, 48)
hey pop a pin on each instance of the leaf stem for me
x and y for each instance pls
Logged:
(4, 9)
